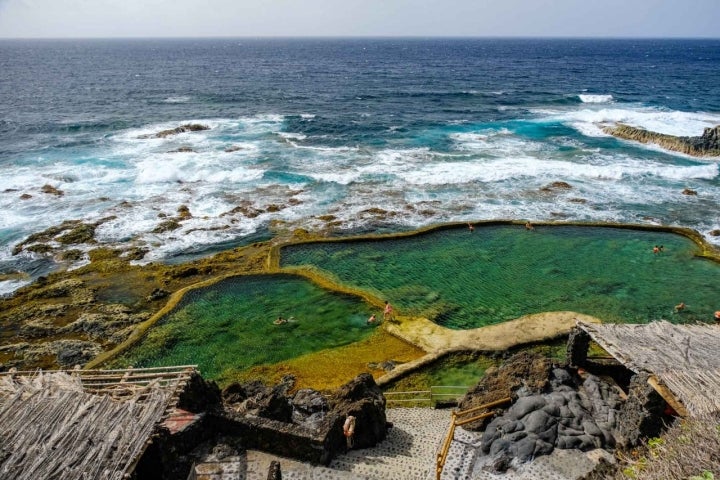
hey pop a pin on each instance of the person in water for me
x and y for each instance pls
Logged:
(280, 320)
(529, 226)
(372, 319)
(471, 227)
(680, 307)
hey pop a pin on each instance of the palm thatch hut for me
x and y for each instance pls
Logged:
(81, 424)
(680, 362)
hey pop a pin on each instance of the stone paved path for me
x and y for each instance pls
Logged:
(409, 452)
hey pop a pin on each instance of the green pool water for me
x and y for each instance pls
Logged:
(463, 279)
(228, 327)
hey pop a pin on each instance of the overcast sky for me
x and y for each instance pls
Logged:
(237, 18)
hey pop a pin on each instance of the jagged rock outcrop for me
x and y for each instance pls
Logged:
(526, 371)
(572, 414)
(188, 127)
(705, 145)
(363, 399)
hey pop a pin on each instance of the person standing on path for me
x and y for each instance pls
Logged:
(388, 312)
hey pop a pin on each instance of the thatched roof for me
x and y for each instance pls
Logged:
(81, 424)
(682, 359)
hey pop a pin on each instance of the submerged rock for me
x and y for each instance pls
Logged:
(705, 145)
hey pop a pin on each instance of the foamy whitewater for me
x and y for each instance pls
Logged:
(377, 135)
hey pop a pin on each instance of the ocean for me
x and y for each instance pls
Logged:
(347, 135)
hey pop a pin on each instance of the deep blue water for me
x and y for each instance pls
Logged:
(427, 130)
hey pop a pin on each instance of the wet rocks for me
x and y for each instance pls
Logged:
(183, 149)
(184, 212)
(166, 226)
(50, 190)
(188, 127)
(555, 186)
(69, 232)
(705, 145)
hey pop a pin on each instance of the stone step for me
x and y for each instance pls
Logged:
(229, 468)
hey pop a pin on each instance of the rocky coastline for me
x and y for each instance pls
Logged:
(705, 145)
(80, 316)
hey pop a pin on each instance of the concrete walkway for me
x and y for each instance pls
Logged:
(409, 452)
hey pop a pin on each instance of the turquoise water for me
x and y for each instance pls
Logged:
(228, 327)
(463, 279)
(430, 130)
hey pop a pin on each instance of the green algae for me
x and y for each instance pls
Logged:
(453, 374)
(461, 279)
(229, 327)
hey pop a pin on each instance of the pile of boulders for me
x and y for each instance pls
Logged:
(553, 407)
(569, 416)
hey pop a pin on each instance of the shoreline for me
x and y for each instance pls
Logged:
(108, 272)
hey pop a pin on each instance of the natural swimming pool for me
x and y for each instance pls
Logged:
(228, 327)
(451, 276)
(462, 279)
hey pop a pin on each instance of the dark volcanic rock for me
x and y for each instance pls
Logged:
(199, 395)
(188, 127)
(49, 189)
(639, 416)
(556, 186)
(524, 370)
(258, 400)
(571, 415)
(705, 145)
(364, 400)
(157, 294)
(167, 226)
(183, 149)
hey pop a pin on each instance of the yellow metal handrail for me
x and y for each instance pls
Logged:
(455, 422)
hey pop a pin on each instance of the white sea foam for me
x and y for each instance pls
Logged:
(661, 121)
(178, 99)
(484, 173)
(292, 136)
(589, 98)
(495, 143)
(9, 286)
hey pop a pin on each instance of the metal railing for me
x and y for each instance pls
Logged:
(457, 419)
(430, 397)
